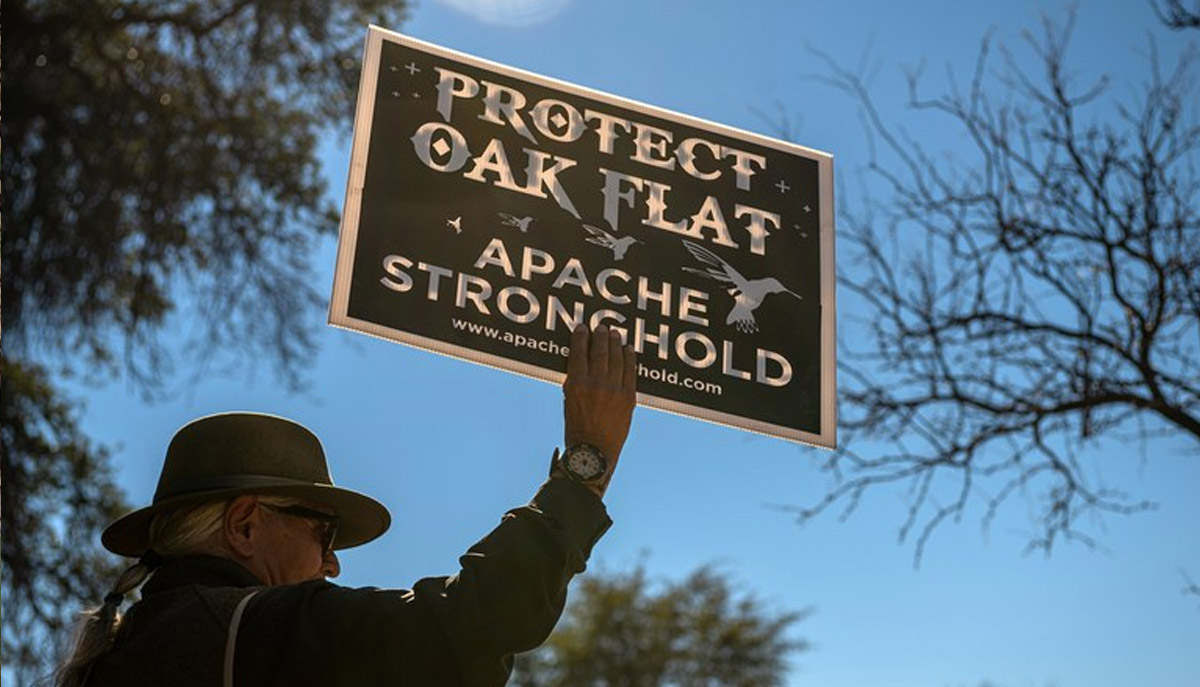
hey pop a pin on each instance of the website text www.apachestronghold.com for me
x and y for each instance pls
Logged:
(522, 341)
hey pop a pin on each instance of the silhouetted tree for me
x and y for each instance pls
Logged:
(159, 167)
(620, 631)
(1025, 304)
(57, 496)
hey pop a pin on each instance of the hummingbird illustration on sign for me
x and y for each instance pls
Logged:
(521, 223)
(455, 224)
(617, 245)
(747, 294)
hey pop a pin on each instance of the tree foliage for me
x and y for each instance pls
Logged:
(161, 199)
(56, 498)
(620, 631)
(1028, 303)
(159, 152)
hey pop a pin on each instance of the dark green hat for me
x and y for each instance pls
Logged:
(229, 454)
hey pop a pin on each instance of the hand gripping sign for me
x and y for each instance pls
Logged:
(490, 210)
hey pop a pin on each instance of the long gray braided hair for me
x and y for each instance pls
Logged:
(186, 530)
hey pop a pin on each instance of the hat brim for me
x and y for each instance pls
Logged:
(361, 518)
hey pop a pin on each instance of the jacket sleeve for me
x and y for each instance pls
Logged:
(445, 631)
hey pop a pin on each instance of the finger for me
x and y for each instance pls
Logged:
(616, 359)
(598, 352)
(629, 371)
(577, 363)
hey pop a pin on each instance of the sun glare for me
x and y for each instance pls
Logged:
(511, 13)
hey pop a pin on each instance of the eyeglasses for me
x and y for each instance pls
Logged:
(327, 521)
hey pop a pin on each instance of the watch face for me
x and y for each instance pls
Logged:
(585, 463)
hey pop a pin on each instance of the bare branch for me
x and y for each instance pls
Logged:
(1174, 14)
(1029, 301)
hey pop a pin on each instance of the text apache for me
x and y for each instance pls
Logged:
(520, 305)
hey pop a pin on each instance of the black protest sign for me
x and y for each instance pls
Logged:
(490, 210)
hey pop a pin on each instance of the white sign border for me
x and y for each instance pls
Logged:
(348, 237)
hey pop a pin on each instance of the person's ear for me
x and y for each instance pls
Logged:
(242, 525)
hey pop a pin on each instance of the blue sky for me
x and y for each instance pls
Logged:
(449, 446)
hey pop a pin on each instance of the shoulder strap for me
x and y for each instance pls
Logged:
(231, 640)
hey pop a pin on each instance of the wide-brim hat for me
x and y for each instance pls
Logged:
(230, 454)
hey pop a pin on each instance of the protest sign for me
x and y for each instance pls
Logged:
(490, 210)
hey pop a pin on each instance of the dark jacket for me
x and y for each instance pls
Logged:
(445, 632)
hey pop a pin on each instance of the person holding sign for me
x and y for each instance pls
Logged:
(235, 549)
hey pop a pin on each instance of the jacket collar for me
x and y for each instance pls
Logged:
(202, 570)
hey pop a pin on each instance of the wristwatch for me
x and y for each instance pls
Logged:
(583, 463)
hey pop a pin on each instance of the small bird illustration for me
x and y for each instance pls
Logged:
(747, 294)
(521, 223)
(603, 238)
(456, 223)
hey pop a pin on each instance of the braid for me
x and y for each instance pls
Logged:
(171, 534)
(98, 626)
